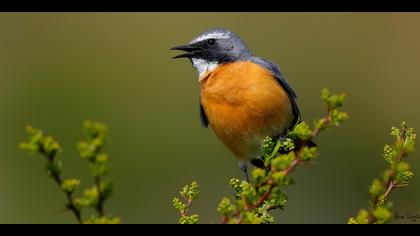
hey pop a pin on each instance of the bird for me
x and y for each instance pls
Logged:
(243, 98)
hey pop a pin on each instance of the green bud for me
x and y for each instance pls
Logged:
(87, 150)
(225, 207)
(50, 146)
(352, 221)
(376, 188)
(287, 145)
(395, 131)
(190, 192)
(362, 217)
(192, 219)
(267, 147)
(178, 205)
(381, 200)
(410, 140)
(389, 154)
(263, 216)
(95, 129)
(102, 220)
(236, 185)
(38, 143)
(70, 185)
(90, 198)
(382, 214)
(99, 167)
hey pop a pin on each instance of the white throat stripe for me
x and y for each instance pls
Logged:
(204, 66)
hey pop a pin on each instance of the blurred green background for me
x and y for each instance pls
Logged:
(58, 69)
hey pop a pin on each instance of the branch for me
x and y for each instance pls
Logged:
(281, 158)
(398, 174)
(47, 147)
(188, 193)
(91, 150)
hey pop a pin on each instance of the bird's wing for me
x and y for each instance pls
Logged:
(203, 117)
(283, 82)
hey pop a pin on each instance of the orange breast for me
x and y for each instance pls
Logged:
(244, 104)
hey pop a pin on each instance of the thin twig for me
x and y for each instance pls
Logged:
(296, 162)
(57, 179)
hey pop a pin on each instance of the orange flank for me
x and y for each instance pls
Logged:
(244, 104)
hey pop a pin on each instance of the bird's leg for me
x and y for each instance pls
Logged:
(282, 137)
(244, 167)
(279, 136)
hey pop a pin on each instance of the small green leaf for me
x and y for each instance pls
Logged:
(403, 178)
(283, 161)
(263, 216)
(277, 199)
(309, 153)
(282, 179)
(333, 101)
(259, 175)
(248, 191)
(302, 131)
(102, 220)
(338, 116)
(403, 166)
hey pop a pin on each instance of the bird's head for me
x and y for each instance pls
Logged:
(213, 47)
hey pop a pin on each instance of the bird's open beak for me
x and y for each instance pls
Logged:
(191, 50)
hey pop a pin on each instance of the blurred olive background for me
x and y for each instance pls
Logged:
(58, 69)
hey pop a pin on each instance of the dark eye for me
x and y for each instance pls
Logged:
(211, 42)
